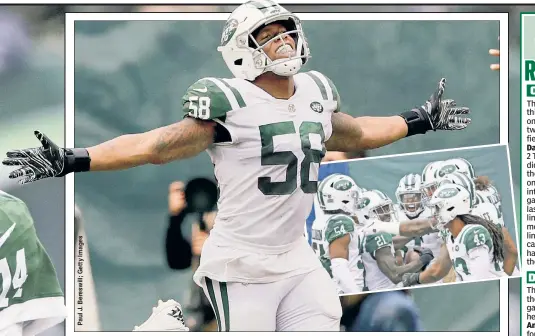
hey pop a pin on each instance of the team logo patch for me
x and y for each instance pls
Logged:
(363, 203)
(228, 31)
(448, 192)
(448, 169)
(316, 107)
(342, 185)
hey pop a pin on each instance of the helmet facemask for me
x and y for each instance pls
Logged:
(384, 212)
(411, 202)
(427, 191)
(246, 58)
(285, 66)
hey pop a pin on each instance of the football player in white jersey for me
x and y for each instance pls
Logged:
(473, 245)
(429, 180)
(335, 238)
(409, 197)
(265, 131)
(484, 195)
(378, 250)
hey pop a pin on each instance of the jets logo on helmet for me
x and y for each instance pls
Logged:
(375, 205)
(244, 57)
(363, 203)
(445, 170)
(409, 194)
(228, 31)
(449, 201)
(448, 192)
(338, 193)
(460, 165)
(463, 180)
(343, 184)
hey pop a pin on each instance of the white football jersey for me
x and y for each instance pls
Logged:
(491, 195)
(471, 254)
(334, 227)
(489, 212)
(266, 158)
(375, 279)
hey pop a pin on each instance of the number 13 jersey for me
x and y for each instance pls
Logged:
(267, 164)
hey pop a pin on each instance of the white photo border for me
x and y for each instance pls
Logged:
(70, 18)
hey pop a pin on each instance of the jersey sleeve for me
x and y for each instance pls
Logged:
(211, 99)
(26, 270)
(327, 88)
(475, 237)
(377, 241)
(338, 226)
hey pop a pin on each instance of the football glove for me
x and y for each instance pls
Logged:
(46, 161)
(410, 279)
(426, 255)
(436, 114)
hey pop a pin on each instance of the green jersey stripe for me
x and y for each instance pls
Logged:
(237, 94)
(320, 85)
(228, 92)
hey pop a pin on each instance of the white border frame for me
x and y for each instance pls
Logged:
(70, 107)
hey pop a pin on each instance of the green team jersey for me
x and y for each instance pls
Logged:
(26, 271)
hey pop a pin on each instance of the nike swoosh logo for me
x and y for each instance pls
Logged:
(203, 90)
(6, 234)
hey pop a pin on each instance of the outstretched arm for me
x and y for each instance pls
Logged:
(387, 264)
(350, 134)
(409, 229)
(180, 140)
(416, 227)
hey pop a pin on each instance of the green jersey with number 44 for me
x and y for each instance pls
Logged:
(266, 155)
(29, 287)
(471, 254)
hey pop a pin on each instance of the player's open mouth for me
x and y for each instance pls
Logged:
(285, 50)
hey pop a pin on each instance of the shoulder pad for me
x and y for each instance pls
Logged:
(211, 98)
(376, 241)
(476, 236)
(338, 226)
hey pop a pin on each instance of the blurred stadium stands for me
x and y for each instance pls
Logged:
(140, 87)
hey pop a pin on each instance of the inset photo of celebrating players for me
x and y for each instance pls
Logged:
(418, 219)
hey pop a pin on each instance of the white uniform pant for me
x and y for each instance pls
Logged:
(307, 302)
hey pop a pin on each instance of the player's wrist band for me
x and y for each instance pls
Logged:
(417, 122)
(76, 160)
